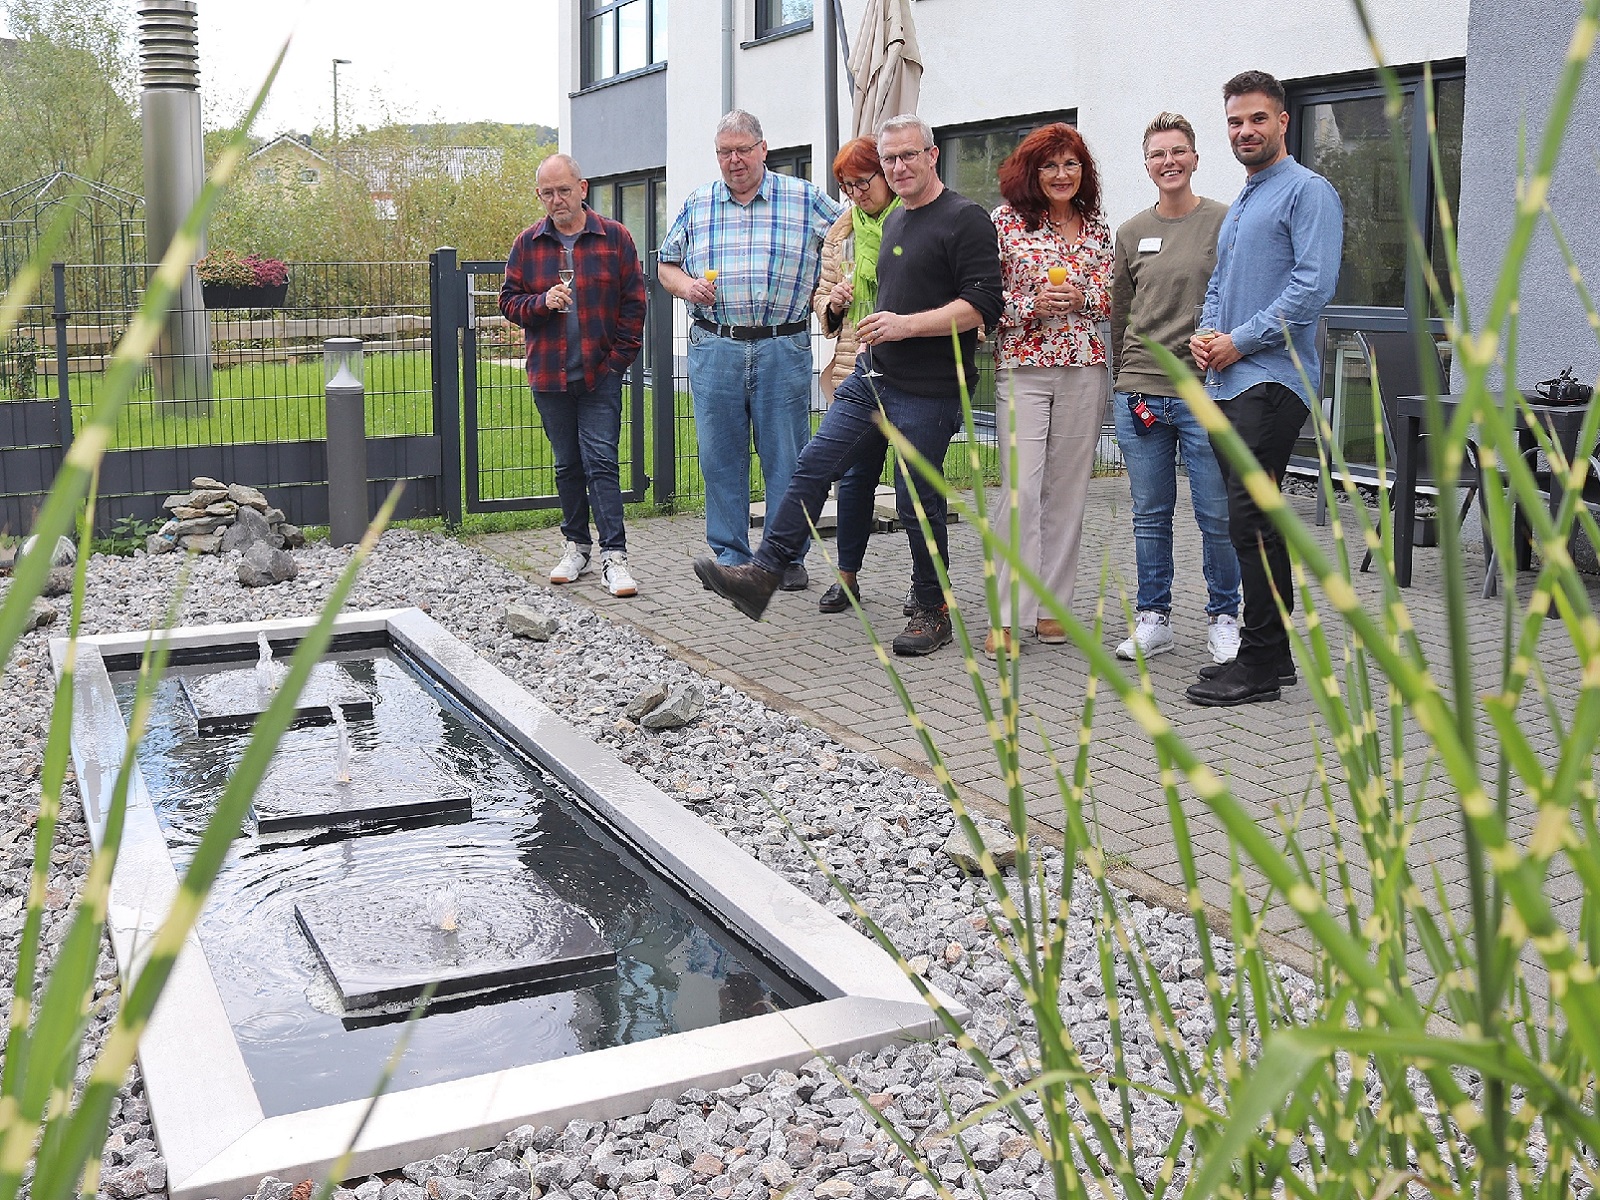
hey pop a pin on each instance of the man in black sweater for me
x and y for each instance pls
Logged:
(938, 280)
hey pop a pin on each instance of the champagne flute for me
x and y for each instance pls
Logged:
(1205, 333)
(847, 259)
(1057, 275)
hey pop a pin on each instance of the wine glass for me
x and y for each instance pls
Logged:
(711, 274)
(847, 259)
(565, 274)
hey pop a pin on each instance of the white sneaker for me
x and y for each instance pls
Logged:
(1152, 633)
(574, 562)
(614, 574)
(1223, 640)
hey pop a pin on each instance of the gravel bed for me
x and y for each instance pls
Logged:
(802, 1132)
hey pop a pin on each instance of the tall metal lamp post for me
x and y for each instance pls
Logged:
(337, 63)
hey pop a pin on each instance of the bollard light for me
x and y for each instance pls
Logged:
(341, 364)
(347, 440)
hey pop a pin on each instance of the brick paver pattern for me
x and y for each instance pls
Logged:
(822, 669)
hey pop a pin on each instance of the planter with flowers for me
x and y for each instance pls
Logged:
(232, 280)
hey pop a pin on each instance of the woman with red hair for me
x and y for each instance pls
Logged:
(842, 297)
(1055, 259)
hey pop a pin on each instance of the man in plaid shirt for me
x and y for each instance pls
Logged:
(745, 253)
(584, 329)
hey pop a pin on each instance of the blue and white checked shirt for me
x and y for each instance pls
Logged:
(1278, 256)
(767, 253)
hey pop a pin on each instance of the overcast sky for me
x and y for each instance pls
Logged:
(461, 60)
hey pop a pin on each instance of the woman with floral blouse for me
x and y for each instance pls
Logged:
(1051, 358)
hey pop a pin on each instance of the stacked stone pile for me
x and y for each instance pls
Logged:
(220, 517)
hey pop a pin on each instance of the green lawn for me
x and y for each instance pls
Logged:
(283, 401)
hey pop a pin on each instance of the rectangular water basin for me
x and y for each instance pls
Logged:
(217, 1135)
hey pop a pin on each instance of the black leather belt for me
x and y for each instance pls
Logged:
(751, 333)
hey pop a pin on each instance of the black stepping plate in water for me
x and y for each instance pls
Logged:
(391, 787)
(384, 942)
(225, 702)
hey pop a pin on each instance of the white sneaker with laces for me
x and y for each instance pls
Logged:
(614, 574)
(1223, 639)
(574, 562)
(1152, 633)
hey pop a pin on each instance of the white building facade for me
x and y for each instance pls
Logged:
(643, 86)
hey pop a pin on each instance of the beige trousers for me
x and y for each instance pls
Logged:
(1059, 411)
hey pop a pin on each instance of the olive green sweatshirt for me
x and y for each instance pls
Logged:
(1159, 273)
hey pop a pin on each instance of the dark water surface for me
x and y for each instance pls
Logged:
(457, 892)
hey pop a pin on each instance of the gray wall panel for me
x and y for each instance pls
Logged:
(28, 471)
(621, 128)
(1515, 52)
(28, 423)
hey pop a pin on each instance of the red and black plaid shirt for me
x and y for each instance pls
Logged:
(610, 290)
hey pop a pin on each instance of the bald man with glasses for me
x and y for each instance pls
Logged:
(745, 253)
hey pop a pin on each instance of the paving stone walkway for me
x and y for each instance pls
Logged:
(822, 669)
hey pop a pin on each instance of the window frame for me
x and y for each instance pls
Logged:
(1347, 319)
(765, 32)
(1303, 94)
(592, 13)
(794, 158)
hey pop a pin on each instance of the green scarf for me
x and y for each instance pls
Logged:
(868, 233)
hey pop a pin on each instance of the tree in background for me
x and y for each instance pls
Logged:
(390, 197)
(68, 94)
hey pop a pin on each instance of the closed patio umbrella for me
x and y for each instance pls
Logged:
(887, 66)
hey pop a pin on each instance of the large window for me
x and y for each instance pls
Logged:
(640, 203)
(970, 155)
(621, 37)
(781, 16)
(1339, 129)
(1341, 132)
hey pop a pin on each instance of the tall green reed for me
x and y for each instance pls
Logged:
(51, 1127)
(1428, 1061)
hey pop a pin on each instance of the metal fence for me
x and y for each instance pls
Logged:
(264, 382)
(250, 380)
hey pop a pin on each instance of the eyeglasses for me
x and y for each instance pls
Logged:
(725, 153)
(1071, 167)
(857, 186)
(563, 193)
(1177, 152)
(906, 156)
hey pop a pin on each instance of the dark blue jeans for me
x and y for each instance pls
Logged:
(584, 428)
(849, 437)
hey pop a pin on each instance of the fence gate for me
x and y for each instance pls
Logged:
(506, 461)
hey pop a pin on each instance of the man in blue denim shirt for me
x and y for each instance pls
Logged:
(1277, 266)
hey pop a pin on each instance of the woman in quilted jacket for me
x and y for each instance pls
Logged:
(840, 300)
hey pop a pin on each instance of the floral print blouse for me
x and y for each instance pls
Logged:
(1072, 341)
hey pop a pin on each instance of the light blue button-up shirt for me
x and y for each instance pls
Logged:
(767, 253)
(1277, 266)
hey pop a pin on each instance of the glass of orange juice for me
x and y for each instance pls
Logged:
(711, 274)
(1057, 276)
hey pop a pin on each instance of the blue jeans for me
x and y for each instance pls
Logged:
(1151, 458)
(584, 428)
(850, 437)
(740, 388)
(856, 502)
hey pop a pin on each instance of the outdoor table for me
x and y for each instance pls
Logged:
(1562, 421)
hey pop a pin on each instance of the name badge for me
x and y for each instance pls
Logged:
(1151, 245)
